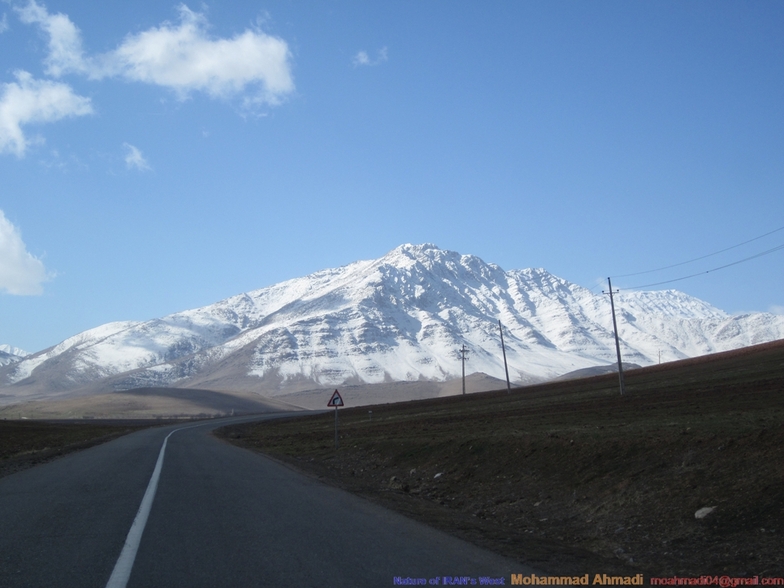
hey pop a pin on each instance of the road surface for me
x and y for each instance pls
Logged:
(220, 516)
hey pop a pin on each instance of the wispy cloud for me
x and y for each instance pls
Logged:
(20, 272)
(775, 309)
(65, 40)
(182, 57)
(29, 101)
(362, 58)
(4, 23)
(134, 158)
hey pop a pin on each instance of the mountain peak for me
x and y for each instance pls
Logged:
(416, 248)
(13, 350)
(431, 255)
(418, 252)
(401, 317)
(10, 354)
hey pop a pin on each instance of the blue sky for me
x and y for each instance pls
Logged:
(157, 157)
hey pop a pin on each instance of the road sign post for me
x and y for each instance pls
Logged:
(336, 401)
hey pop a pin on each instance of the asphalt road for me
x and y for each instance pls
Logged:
(221, 516)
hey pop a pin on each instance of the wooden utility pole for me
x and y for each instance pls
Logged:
(617, 344)
(506, 367)
(463, 358)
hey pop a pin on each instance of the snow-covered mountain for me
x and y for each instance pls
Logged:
(398, 318)
(10, 354)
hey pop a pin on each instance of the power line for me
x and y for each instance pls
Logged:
(708, 271)
(703, 257)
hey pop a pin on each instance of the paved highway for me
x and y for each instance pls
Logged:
(221, 516)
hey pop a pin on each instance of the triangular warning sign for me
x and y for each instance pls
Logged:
(336, 400)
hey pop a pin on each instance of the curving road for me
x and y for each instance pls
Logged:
(221, 516)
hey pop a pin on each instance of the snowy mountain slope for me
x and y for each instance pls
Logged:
(13, 350)
(398, 318)
(10, 354)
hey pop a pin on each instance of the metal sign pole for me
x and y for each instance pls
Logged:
(336, 401)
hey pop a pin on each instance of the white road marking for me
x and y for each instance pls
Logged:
(124, 565)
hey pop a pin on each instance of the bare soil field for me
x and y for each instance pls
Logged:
(26, 443)
(572, 478)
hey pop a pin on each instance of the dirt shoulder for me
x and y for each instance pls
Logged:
(572, 478)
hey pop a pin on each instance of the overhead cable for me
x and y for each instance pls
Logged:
(699, 258)
(707, 271)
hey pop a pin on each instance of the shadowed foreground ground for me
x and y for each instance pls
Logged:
(573, 478)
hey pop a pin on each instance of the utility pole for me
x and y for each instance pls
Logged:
(617, 344)
(463, 358)
(503, 350)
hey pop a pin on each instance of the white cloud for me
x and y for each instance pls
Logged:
(181, 57)
(65, 41)
(184, 58)
(20, 272)
(775, 309)
(362, 58)
(29, 101)
(4, 23)
(134, 158)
